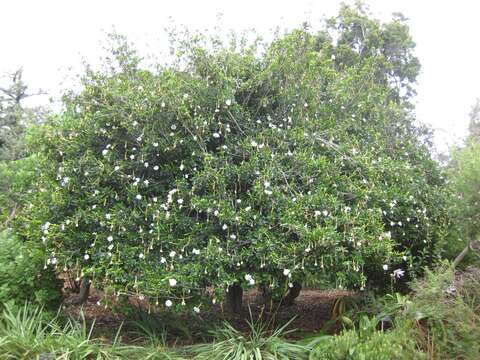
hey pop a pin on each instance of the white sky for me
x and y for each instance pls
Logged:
(48, 37)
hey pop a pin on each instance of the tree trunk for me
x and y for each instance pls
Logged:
(292, 294)
(473, 245)
(234, 298)
(84, 290)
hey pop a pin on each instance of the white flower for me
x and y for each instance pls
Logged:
(385, 267)
(156, 168)
(266, 184)
(216, 135)
(228, 102)
(172, 254)
(86, 256)
(173, 127)
(108, 216)
(182, 167)
(180, 201)
(117, 168)
(317, 213)
(132, 157)
(141, 256)
(168, 303)
(110, 247)
(404, 258)
(104, 152)
(251, 282)
(110, 238)
(172, 282)
(224, 227)
(163, 260)
(398, 273)
(268, 192)
(325, 213)
(138, 197)
(248, 277)
(155, 144)
(253, 143)
(163, 104)
(196, 309)
(286, 272)
(196, 251)
(145, 164)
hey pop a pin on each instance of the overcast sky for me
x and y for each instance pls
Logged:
(48, 37)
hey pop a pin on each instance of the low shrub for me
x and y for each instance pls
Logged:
(24, 276)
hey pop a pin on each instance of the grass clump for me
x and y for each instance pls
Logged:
(30, 333)
(258, 344)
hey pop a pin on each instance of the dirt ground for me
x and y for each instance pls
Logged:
(311, 312)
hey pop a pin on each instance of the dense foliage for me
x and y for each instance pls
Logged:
(242, 164)
(465, 175)
(24, 276)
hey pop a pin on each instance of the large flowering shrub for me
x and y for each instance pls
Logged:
(238, 165)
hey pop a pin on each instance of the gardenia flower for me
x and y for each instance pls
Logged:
(216, 135)
(196, 251)
(196, 309)
(248, 277)
(286, 272)
(385, 267)
(168, 303)
(141, 256)
(138, 197)
(155, 167)
(155, 144)
(172, 254)
(228, 102)
(86, 256)
(104, 152)
(172, 282)
(110, 238)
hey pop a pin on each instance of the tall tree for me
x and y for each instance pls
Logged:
(474, 126)
(14, 116)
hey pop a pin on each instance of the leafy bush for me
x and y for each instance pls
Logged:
(447, 310)
(23, 274)
(16, 181)
(465, 175)
(238, 164)
(366, 342)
